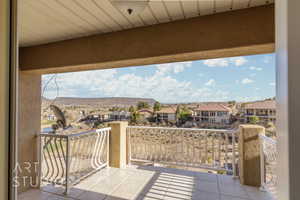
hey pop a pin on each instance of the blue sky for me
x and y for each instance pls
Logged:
(244, 78)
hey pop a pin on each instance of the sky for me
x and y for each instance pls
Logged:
(245, 78)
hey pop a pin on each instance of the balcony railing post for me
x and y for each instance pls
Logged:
(249, 154)
(67, 182)
(107, 149)
(262, 164)
(118, 144)
(233, 155)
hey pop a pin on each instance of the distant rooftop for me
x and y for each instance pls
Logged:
(212, 107)
(270, 104)
(169, 110)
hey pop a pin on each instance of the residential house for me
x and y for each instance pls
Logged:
(166, 114)
(212, 113)
(145, 113)
(119, 115)
(104, 115)
(264, 110)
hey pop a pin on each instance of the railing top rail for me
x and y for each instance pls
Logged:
(187, 129)
(267, 139)
(75, 134)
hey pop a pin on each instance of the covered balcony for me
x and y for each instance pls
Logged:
(128, 162)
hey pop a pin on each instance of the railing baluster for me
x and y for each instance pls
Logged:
(64, 159)
(67, 166)
(202, 148)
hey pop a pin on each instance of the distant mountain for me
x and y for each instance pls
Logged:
(107, 101)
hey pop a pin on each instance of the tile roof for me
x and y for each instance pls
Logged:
(212, 107)
(169, 110)
(270, 104)
(145, 111)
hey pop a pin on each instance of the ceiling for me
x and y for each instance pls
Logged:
(44, 21)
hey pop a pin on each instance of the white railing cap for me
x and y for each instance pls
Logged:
(186, 129)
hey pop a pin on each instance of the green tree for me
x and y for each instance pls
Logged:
(131, 109)
(156, 107)
(253, 119)
(142, 104)
(231, 102)
(184, 114)
(177, 113)
(135, 116)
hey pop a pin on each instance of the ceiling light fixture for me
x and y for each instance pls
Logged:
(130, 7)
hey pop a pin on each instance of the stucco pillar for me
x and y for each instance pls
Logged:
(249, 152)
(118, 144)
(4, 95)
(29, 128)
(288, 98)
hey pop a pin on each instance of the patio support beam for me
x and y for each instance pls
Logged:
(235, 33)
(288, 95)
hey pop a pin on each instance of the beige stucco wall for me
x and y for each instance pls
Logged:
(29, 127)
(4, 96)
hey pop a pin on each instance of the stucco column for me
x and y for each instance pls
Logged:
(288, 95)
(29, 128)
(118, 144)
(249, 152)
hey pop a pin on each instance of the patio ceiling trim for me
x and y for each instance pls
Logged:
(242, 32)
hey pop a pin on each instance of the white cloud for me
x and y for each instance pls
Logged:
(247, 81)
(200, 74)
(267, 59)
(225, 62)
(218, 62)
(255, 68)
(249, 98)
(210, 82)
(159, 85)
(172, 67)
(239, 61)
(272, 84)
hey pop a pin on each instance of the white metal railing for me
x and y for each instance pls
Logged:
(268, 160)
(214, 149)
(66, 159)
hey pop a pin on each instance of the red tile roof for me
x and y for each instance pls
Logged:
(212, 107)
(270, 104)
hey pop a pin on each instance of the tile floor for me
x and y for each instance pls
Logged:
(151, 183)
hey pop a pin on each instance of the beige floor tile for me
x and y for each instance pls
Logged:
(33, 194)
(150, 196)
(56, 197)
(228, 180)
(228, 197)
(201, 195)
(233, 190)
(89, 195)
(206, 176)
(207, 186)
(129, 189)
(255, 194)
